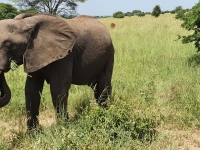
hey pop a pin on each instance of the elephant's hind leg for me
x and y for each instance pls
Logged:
(103, 88)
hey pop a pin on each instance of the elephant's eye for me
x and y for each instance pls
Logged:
(8, 44)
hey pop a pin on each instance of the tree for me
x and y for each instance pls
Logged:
(55, 7)
(7, 11)
(180, 14)
(128, 14)
(156, 11)
(136, 12)
(167, 11)
(191, 22)
(118, 14)
(177, 9)
(31, 11)
(147, 13)
(142, 14)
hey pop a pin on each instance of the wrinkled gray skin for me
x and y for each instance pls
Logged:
(62, 52)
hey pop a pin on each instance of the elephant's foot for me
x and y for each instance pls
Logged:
(62, 117)
(34, 131)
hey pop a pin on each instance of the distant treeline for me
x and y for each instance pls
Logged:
(7, 11)
(178, 10)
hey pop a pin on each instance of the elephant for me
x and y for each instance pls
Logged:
(60, 52)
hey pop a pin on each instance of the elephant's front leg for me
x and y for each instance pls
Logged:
(59, 93)
(33, 91)
(60, 82)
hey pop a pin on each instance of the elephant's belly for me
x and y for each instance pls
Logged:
(86, 75)
(89, 67)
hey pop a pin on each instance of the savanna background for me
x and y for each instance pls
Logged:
(155, 101)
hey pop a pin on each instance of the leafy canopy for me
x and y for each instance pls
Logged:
(178, 8)
(7, 11)
(55, 7)
(136, 12)
(191, 22)
(156, 11)
(118, 14)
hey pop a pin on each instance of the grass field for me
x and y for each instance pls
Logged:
(155, 102)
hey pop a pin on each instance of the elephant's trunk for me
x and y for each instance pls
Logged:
(5, 91)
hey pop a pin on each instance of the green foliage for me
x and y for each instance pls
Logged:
(180, 14)
(147, 13)
(128, 14)
(142, 14)
(177, 9)
(115, 128)
(112, 128)
(136, 12)
(191, 22)
(156, 11)
(118, 14)
(61, 7)
(172, 12)
(7, 11)
(3, 145)
(31, 11)
(167, 11)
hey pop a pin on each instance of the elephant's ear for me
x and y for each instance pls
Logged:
(51, 39)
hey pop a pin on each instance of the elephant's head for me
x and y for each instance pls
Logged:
(35, 40)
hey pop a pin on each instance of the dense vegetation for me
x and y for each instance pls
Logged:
(118, 14)
(191, 22)
(155, 101)
(7, 11)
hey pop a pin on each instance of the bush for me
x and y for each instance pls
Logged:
(118, 14)
(128, 14)
(180, 14)
(142, 14)
(117, 126)
(136, 12)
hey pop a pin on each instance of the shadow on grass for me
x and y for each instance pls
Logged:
(194, 60)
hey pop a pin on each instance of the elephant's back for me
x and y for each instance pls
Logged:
(83, 25)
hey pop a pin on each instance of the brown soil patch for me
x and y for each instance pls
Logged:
(190, 141)
(185, 140)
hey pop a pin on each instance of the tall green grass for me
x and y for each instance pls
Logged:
(156, 84)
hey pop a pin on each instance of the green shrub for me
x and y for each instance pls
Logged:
(118, 14)
(114, 127)
(142, 14)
